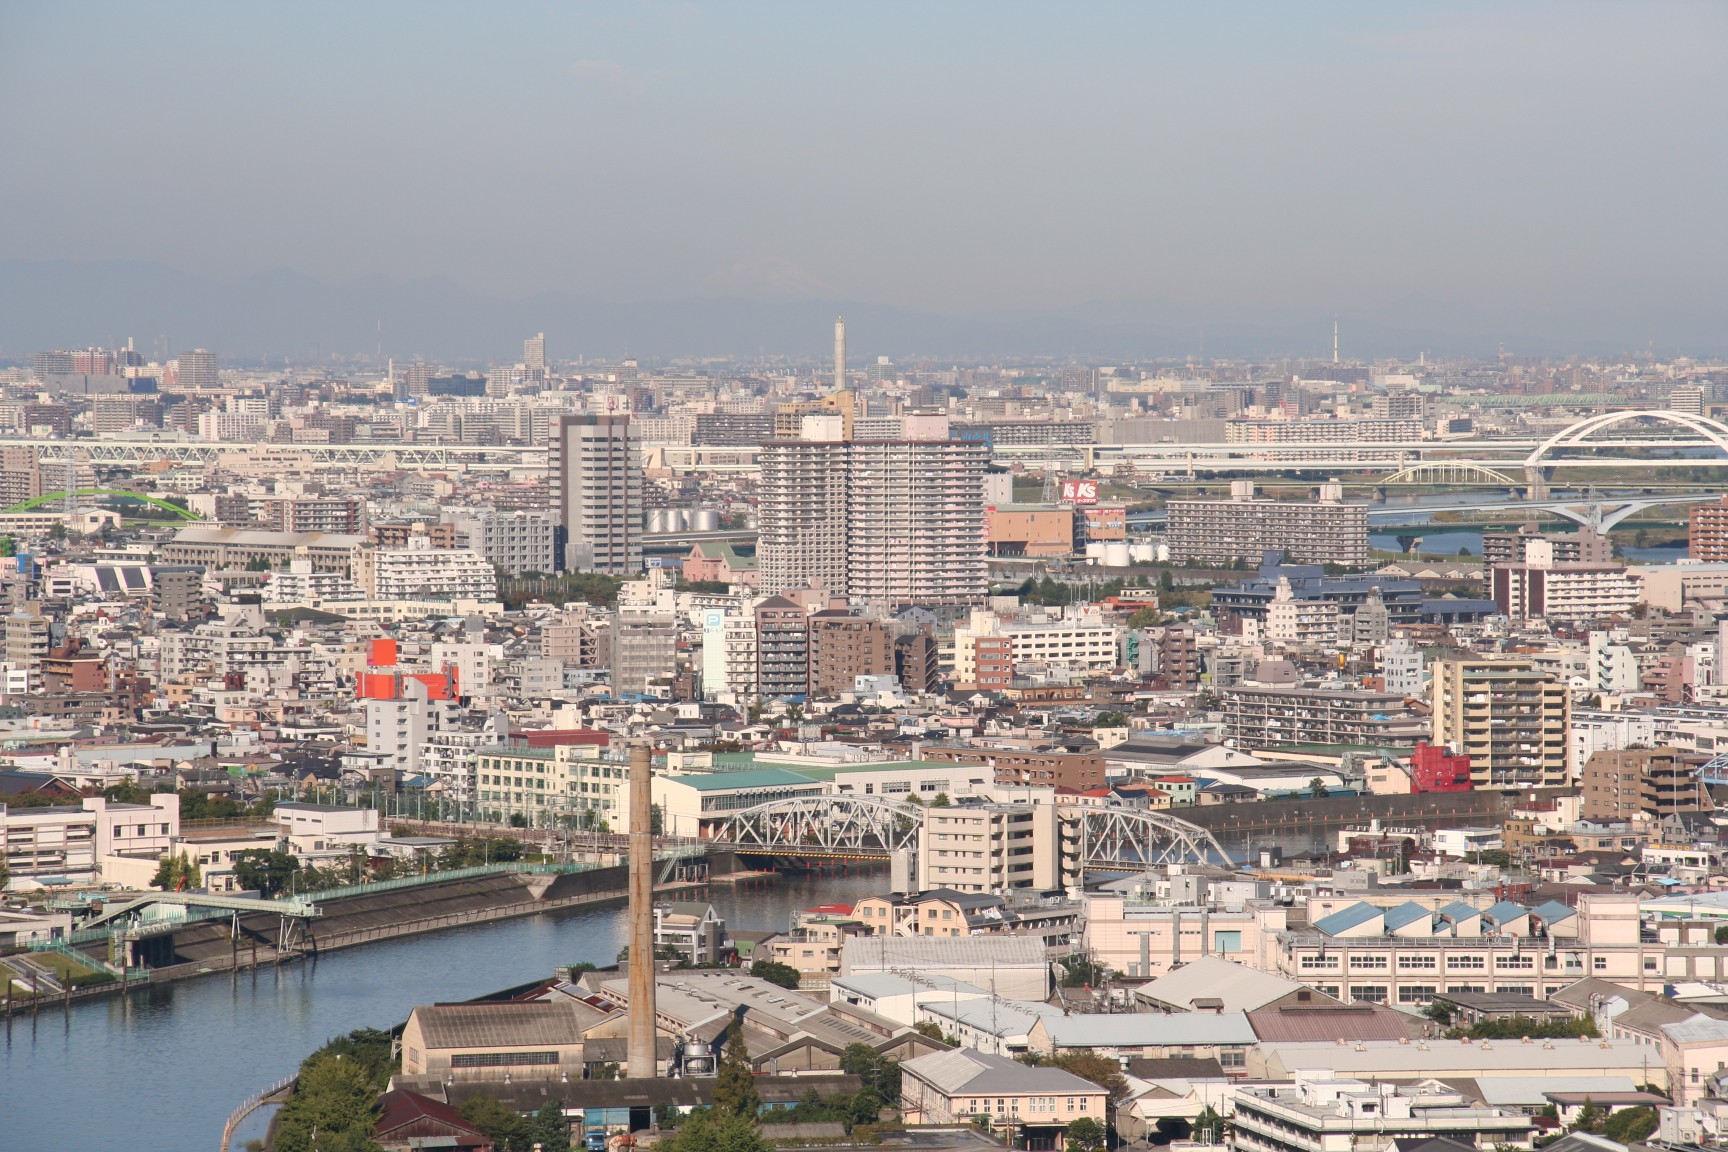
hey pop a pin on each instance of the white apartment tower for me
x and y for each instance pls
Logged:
(886, 522)
(534, 353)
(599, 493)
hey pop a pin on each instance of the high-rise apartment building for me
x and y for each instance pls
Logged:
(844, 647)
(1245, 526)
(599, 493)
(801, 516)
(1707, 532)
(1508, 717)
(886, 522)
(197, 370)
(534, 353)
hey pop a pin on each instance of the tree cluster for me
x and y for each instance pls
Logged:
(177, 874)
(1518, 1027)
(335, 1103)
(510, 1131)
(775, 972)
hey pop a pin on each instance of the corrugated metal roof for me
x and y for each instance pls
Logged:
(498, 1025)
(963, 1070)
(1331, 1022)
(1345, 919)
(1132, 1029)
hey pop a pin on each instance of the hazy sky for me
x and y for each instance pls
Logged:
(958, 158)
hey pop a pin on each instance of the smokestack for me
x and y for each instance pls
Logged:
(840, 354)
(640, 1049)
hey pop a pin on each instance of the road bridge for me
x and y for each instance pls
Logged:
(394, 456)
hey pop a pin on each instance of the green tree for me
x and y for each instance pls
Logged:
(928, 1028)
(713, 1130)
(1086, 1135)
(502, 1124)
(1592, 1118)
(265, 870)
(940, 800)
(177, 873)
(775, 972)
(1631, 1125)
(881, 1075)
(1317, 788)
(1143, 618)
(337, 1100)
(549, 1129)
(1209, 1127)
(735, 1087)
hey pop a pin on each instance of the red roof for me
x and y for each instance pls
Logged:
(405, 1114)
(553, 737)
(831, 909)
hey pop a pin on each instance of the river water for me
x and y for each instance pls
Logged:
(161, 1070)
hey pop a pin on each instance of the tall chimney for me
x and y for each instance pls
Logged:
(640, 1049)
(840, 354)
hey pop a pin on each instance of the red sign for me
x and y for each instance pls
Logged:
(1080, 491)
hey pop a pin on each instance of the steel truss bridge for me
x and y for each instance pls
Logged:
(875, 827)
(126, 925)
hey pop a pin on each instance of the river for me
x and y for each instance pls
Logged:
(161, 1070)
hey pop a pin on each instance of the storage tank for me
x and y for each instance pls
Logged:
(1115, 555)
(1143, 553)
(705, 520)
(657, 520)
(1095, 553)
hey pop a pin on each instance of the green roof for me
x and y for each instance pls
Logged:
(725, 781)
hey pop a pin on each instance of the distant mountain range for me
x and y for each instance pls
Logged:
(286, 314)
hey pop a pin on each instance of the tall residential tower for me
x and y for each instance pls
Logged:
(599, 493)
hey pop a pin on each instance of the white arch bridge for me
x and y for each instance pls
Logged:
(876, 827)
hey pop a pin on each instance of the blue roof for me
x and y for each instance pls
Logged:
(1504, 911)
(1406, 914)
(1553, 912)
(1458, 910)
(1347, 918)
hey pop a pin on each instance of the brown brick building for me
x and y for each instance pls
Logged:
(843, 647)
(1077, 770)
(1650, 782)
(1707, 532)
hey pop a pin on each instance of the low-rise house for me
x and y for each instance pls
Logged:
(1224, 1036)
(1035, 1104)
(409, 1122)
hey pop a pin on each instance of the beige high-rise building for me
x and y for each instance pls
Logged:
(887, 522)
(534, 353)
(1509, 718)
(599, 493)
(989, 847)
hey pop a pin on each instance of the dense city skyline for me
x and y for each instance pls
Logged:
(992, 181)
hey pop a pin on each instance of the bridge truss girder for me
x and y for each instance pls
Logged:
(1131, 839)
(833, 823)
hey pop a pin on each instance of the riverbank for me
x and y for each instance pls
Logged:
(213, 947)
(161, 1068)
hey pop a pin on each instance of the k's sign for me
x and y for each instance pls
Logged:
(1080, 491)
